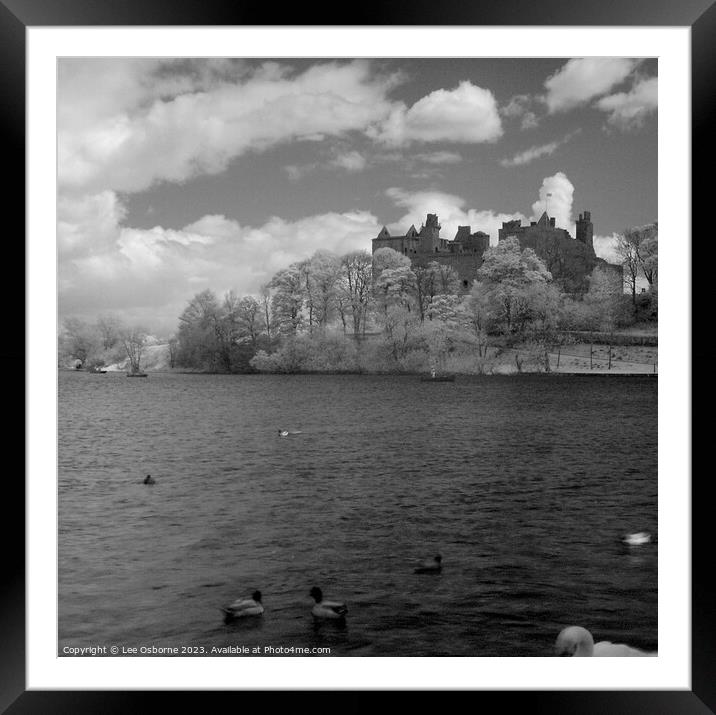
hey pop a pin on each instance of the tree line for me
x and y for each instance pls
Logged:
(362, 312)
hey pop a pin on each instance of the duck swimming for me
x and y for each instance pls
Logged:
(327, 609)
(241, 608)
(637, 539)
(434, 565)
(148, 480)
(577, 642)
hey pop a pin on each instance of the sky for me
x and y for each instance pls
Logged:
(178, 175)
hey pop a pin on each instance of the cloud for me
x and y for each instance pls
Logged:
(519, 107)
(580, 80)
(466, 114)
(559, 202)
(439, 157)
(114, 133)
(451, 211)
(148, 275)
(628, 110)
(351, 161)
(606, 247)
(529, 155)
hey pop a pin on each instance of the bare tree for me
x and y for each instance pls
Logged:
(173, 347)
(109, 327)
(357, 285)
(133, 340)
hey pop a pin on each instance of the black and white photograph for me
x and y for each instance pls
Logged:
(391, 326)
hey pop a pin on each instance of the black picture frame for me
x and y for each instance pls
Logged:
(700, 15)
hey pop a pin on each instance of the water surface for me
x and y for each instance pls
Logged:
(524, 484)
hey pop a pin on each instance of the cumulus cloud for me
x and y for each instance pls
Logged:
(120, 136)
(555, 197)
(451, 211)
(628, 110)
(529, 155)
(150, 274)
(606, 247)
(466, 114)
(581, 80)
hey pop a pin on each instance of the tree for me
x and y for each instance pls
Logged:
(197, 338)
(133, 340)
(248, 315)
(446, 278)
(395, 286)
(109, 327)
(479, 315)
(508, 277)
(325, 269)
(638, 249)
(287, 298)
(356, 285)
(649, 254)
(388, 258)
(603, 300)
(79, 340)
(173, 349)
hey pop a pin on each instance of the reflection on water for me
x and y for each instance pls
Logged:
(524, 484)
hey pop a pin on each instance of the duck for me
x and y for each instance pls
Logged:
(434, 565)
(327, 609)
(577, 642)
(638, 538)
(149, 480)
(241, 608)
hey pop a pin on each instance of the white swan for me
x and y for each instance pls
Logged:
(637, 539)
(434, 565)
(244, 607)
(577, 642)
(327, 609)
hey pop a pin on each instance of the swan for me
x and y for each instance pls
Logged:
(637, 539)
(327, 609)
(577, 642)
(432, 566)
(244, 607)
(148, 480)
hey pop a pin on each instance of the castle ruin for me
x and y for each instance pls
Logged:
(569, 260)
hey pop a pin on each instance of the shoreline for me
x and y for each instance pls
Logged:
(597, 372)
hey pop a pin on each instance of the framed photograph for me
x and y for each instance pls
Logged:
(391, 286)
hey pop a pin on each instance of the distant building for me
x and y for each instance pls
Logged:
(463, 253)
(569, 260)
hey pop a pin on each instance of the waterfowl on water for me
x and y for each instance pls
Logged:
(637, 539)
(327, 609)
(148, 480)
(286, 433)
(241, 608)
(434, 565)
(577, 642)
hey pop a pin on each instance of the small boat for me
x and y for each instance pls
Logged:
(97, 371)
(437, 378)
